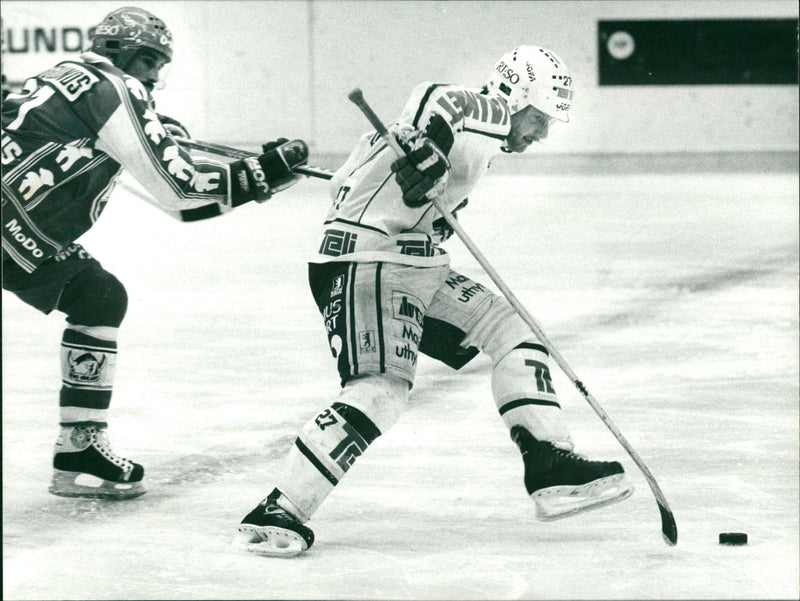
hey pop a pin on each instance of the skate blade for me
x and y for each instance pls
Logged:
(268, 541)
(559, 502)
(87, 486)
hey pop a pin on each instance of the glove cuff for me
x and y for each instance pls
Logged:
(248, 182)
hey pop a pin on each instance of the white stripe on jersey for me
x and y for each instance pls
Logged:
(30, 161)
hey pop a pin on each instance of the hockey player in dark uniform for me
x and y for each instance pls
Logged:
(65, 139)
(387, 294)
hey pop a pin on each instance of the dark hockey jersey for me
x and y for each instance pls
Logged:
(66, 138)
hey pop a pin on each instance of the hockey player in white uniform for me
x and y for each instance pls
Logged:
(387, 293)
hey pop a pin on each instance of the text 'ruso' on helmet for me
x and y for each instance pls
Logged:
(533, 76)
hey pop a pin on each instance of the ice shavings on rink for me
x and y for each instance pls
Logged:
(674, 298)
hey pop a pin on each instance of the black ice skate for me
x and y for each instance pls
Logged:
(85, 466)
(562, 483)
(272, 531)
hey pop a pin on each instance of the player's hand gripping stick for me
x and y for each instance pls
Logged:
(669, 529)
(235, 153)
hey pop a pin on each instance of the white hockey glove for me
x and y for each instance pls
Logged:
(423, 173)
(259, 177)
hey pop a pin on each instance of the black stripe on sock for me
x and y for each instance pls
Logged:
(521, 402)
(316, 462)
(74, 337)
(85, 399)
(356, 418)
(534, 347)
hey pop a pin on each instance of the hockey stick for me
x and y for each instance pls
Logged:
(235, 153)
(669, 529)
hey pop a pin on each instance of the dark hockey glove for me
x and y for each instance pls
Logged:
(423, 173)
(174, 127)
(265, 148)
(258, 178)
(441, 229)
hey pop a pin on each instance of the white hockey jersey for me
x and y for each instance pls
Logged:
(369, 221)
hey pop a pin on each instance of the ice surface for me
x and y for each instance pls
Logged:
(674, 297)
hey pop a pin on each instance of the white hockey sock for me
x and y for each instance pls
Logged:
(525, 396)
(328, 445)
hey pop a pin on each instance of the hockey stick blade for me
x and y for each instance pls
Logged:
(235, 153)
(669, 529)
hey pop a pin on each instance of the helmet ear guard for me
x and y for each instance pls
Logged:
(533, 76)
(125, 31)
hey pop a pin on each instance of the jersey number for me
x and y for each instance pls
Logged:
(325, 419)
(340, 196)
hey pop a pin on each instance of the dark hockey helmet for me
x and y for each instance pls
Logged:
(124, 31)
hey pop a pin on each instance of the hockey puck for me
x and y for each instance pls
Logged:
(732, 538)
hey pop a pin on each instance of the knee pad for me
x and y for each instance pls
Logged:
(94, 297)
(381, 398)
(499, 330)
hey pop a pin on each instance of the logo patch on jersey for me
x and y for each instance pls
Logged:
(336, 243)
(408, 308)
(416, 248)
(34, 180)
(72, 153)
(26, 241)
(366, 342)
(337, 285)
(71, 80)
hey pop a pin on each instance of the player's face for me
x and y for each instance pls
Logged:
(146, 66)
(527, 126)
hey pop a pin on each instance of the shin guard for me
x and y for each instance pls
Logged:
(329, 444)
(525, 397)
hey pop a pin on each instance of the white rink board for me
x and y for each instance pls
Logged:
(674, 297)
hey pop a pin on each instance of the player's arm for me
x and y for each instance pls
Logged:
(427, 135)
(423, 172)
(134, 136)
(282, 150)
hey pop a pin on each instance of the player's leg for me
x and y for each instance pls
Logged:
(373, 313)
(94, 301)
(561, 482)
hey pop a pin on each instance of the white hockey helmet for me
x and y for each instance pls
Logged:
(533, 76)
